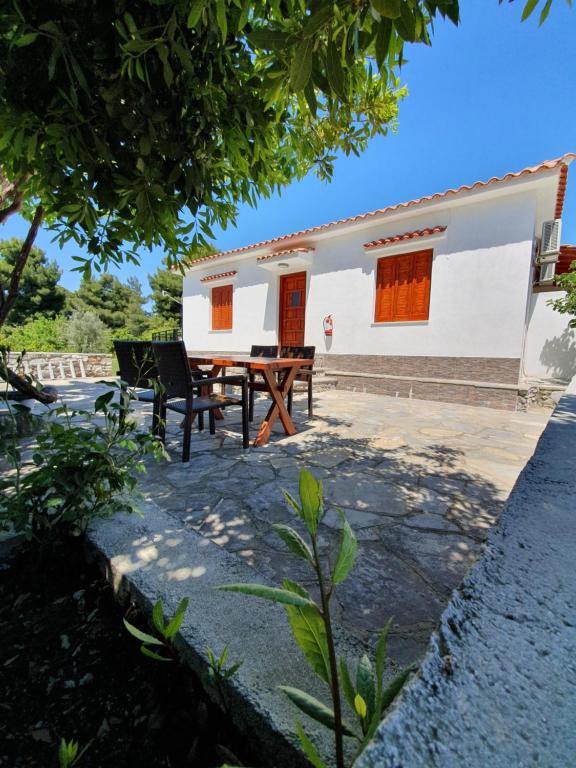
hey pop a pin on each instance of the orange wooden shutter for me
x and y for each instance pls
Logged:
(403, 287)
(222, 308)
(421, 271)
(385, 290)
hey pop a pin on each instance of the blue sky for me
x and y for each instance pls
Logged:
(488, 97)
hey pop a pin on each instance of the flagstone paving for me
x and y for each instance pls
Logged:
(420, 482)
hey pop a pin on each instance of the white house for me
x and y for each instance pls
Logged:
(436, 298)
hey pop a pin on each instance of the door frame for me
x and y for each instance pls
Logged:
(288, 275)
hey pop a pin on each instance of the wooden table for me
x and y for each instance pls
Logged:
(277, 387)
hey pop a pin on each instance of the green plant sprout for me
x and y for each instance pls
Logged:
(151, 644)
(217, 673)
(311, 625)
(68, 754)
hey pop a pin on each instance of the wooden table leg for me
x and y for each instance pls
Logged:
(278, 392)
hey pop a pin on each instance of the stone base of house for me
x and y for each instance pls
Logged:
(477, 381)
(499, 370)
(466, 393)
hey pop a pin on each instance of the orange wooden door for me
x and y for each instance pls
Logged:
(292, 309)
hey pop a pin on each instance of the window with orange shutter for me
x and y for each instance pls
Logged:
(222, 308)
(403, 287)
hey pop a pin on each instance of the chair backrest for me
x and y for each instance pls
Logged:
(263, 351)
(308, 353)
(136, 362)
(173, 368)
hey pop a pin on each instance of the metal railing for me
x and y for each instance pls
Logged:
(172, 334)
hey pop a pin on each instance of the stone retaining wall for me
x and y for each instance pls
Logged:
(48, 366)
(497, 687)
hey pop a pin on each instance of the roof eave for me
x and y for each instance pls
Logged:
(452, 198)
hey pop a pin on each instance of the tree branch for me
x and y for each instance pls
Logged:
(21, 384)
(8, 298)
(14, 206)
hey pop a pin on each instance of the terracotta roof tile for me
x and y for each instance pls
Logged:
(548, 165)
(285, 252)
(219, 276)
(393, 239)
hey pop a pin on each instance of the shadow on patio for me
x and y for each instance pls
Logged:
(421, 484)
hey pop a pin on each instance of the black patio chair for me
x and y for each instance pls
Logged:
(138, 371)
(190, 396)
(255, 385)
(306, 373)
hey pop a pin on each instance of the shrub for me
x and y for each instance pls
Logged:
(83, 466)
(85, 332)
(41, 334)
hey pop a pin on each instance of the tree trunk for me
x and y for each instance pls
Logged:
(9, 296)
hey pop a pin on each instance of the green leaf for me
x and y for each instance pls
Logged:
(293, 541)
(267, 593)
(381, 661)
(382, 43)
(334, 71)
(314, 708)
(347, 553)
(301, 67)
(244, 15)
(26, 39)
(393, 689)
(231, 671)
(79, 74)
(268, 39)
(293, 586)
(158, 617)
(406, 24)
(144, 637)
(310, 96)
(310, 634)
(196, 8)
(390, 9)
(529, 8)
(318, 19)
(153, 655)
(293, 503)
(176, 621)
(102, 401)
(221, 18)
(545, 12)
(346, 683)
(309, 749)
(365, 684)
(310, 500)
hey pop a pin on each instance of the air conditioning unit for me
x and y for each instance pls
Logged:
(549, 250)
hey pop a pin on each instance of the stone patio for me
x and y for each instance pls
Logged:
(421, 484)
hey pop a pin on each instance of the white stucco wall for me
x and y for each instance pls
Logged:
(479, 287)
(550, 350)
